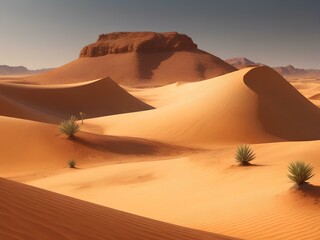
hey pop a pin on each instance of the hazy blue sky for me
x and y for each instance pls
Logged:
(50, 33)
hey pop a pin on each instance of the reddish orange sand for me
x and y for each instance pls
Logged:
(208, 192)
(250, 105)
(139, 69)
(174, 163)
(31, 213)
(57, 102)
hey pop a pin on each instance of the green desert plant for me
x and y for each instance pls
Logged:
(72, 164)
(69, 127)
(82, 116)
(300, 172)
(244, 154)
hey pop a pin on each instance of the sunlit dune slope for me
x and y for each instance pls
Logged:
(53, 103)
(139, 69)
(31, 148)
(251, 105)
(31, 213)
(207, 191)
(310, 88)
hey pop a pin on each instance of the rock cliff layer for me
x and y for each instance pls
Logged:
(124, 42)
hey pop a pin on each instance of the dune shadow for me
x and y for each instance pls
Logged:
(282, 109)
(147, 62)
(126, 145)
(201, 68)
(48, 104)
(249, 165)
(308, 190)
(256, 165)
(73, 168)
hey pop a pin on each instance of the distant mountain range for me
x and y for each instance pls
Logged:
(19, 70)
(240, 62)
(287, 71)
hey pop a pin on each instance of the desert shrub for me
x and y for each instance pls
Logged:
(82, 116)
(72, 164)
(69, 127)
(300, 172)
(244, 155)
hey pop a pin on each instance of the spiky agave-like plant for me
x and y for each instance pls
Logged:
(300, 172)
(72, 163)
(69, 127)
(244, 155)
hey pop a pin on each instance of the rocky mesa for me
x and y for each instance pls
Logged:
(124, 42)
(139, 59)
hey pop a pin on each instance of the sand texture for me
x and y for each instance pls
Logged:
(158, 162)
(30, 213)
(55, 103)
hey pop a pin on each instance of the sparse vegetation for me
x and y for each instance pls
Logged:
(72, 164)
(244, 155)
(69, 127)
(300, 172)
(82, 116)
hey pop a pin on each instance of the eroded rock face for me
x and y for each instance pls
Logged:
(123, 42)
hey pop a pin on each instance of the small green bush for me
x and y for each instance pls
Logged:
(244, 155)
(300, 172)
(72, 164)
(69, 127)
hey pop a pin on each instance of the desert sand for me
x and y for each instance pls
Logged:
(251, 105)
(55, 102)
(31, 213)
(157, 162)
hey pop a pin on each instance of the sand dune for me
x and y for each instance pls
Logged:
(54, 103)
(282, 109)
(251, 105)
(315, 97)
(31, 149)
(31, 213)
(310, 88)
(139, 69)
(133, 161)
(13, 78)
(207, 191)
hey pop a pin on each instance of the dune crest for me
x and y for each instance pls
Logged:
(283, 111)
(251, 105)
(53, 103)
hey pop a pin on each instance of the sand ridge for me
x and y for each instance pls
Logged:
(31, 213)
(173, 163)
(54, 103)
(46, 151)
(232, 108)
